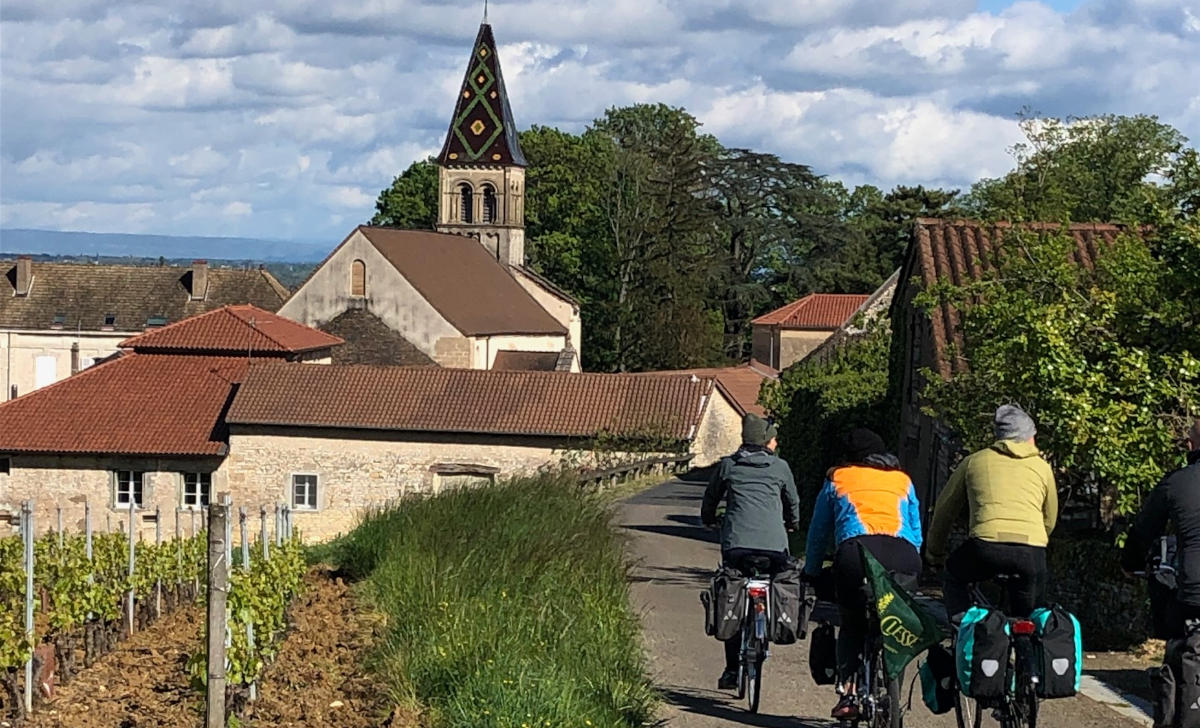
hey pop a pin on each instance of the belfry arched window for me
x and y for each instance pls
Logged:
(489, 204)
(466, 203)
(358, 278)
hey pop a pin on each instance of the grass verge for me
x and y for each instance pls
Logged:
(507, 606)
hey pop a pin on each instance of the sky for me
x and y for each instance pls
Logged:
(284, 119)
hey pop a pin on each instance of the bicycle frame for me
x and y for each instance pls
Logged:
(755, 640)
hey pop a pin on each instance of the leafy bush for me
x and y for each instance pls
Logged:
(817, 401)
(1105, 359)
(508, 606)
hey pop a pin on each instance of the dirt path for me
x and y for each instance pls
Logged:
(142, 683)
(317, 679)
(675, 557)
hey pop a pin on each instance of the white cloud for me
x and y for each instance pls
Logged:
(283, 118)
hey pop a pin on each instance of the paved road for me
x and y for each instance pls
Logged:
(675, 556)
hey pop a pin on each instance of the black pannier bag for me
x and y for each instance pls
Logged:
(981, 653)
(822, 655)
(1187, 697)
(937, 680)
(724, 603)
(1058, 652)
(788, 616)
(1164, 687)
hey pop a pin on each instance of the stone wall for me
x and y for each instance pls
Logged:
(719, 433)
(794, 345)
(69, 481)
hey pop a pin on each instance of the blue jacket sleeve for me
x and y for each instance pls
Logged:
(910, 529)
(819, 530)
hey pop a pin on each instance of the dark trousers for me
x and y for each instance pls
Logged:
(744, 561)
(897, 556)
(978, 561)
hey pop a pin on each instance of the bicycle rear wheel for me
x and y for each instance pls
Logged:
(754, 689)
(967, 712)
(889, 710)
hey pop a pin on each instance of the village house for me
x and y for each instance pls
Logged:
(245, 401)
(740, 384)
(956, 251)
(461, 296)
(59, 318)
(788, 334)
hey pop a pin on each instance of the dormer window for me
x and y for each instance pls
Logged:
(466, 205)
(489, 204)
(110, 320)
(156, 321)
(60, 319)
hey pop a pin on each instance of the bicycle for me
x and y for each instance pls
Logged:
(755, 634)
(1018, 707)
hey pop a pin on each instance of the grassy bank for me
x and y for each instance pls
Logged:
(507, 607)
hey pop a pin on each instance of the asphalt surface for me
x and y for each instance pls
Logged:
(674, 557)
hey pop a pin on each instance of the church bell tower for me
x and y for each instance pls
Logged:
(481, 169)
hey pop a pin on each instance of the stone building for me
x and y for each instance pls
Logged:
(788, 334)
(59, 318)
(448, 302)
(245, 401)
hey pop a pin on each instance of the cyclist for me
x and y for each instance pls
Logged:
(761, 506)
(867, 503)
(1176, 499)
(1012, 501)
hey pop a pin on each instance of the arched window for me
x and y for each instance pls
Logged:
(358, 278)
(489, 203)
(466, 205)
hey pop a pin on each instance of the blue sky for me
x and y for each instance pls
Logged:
(284, 118)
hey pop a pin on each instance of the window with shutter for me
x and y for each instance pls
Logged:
(489, 204)
(466, 203)
(358, 278)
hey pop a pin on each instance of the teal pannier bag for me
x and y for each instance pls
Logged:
(981, 653)
(937, 680)
(1058, 652)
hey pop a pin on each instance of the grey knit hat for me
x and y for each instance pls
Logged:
(1012, 423)
(757, 431)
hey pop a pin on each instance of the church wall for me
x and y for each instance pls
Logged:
(565, 312)
(485, 347)
(389, 296)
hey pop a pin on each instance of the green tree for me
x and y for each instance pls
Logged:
(412, 200)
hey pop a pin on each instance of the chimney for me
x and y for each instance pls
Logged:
(74, 358)
(199, 279)
(24, 274)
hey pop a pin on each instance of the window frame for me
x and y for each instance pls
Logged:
(139, 502)
(183, 491)
(466, 203)
(314, 495)
(490, 203)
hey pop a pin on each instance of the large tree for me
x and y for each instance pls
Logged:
(412, 200)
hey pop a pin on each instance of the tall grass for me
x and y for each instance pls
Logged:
(507, 606)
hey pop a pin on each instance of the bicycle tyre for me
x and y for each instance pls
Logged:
(754, 690)
(889, 710)
(967, 712)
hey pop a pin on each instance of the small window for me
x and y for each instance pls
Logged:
(197, 487)
(5, 466)
(466, 208)
(358, 278)
(304, 492)
(59, 320)
(110, 319)
(129, 484)
(489, 204)
(156, 321)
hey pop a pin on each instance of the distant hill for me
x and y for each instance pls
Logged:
(170, 247)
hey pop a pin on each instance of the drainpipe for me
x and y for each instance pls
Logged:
(74, 358)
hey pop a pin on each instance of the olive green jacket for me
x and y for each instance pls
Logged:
(1010, 495)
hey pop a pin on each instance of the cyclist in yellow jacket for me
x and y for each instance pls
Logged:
(1012, 502)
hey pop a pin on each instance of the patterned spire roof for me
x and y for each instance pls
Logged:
(482, 130)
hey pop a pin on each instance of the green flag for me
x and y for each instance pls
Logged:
(907, 629)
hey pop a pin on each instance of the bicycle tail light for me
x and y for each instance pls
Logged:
(758, 592)
(1023, 628)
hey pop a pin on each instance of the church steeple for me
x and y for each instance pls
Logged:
(481, 168)
(482, 130)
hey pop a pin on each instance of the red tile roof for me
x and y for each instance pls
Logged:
(815, 311)
(234, 330)
(962, 250)
(547, 404)
(136, 404)
(741, 384)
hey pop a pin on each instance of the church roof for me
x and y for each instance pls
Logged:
(482, 130)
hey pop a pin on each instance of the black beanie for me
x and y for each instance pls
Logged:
(861, 443)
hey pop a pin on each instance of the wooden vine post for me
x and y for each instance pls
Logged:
(218, 591)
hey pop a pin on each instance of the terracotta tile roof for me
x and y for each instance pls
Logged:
(370, 341)
(535, 361)
(814, 311)
(458, 277)
(136, 404)
(741, 384)
(84, 294)
(962, 250)
(547, 404)
(234, 330)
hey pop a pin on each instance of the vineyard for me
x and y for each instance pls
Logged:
(87, 591)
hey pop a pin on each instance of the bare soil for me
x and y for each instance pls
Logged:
(317, 678)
